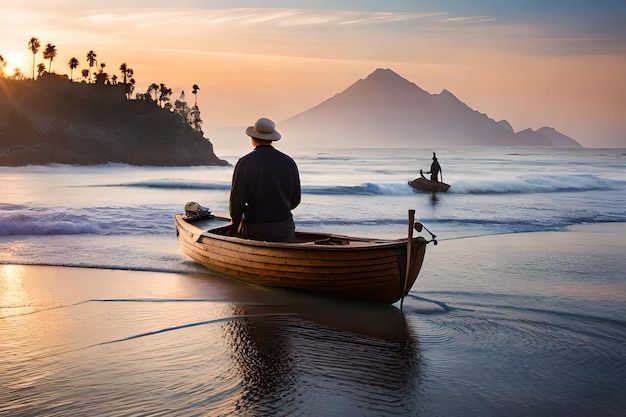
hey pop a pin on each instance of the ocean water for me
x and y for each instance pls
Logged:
(63, 215)
(519, 310)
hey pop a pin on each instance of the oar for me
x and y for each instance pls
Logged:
(409, 245)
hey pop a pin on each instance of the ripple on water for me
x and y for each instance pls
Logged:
(521, 360)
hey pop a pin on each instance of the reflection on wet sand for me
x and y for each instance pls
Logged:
(81, 342)
(320, 356)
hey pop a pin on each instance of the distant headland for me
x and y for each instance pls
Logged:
(385, 109)
(55, 120)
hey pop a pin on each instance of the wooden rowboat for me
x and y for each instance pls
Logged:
(337, 265)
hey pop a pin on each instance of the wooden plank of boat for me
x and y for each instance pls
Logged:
(352, 267)
(424, 184)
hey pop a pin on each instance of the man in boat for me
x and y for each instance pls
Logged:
(265, 188)
(435, 170)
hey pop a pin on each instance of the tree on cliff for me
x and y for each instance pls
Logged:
(101, 76)
(73, 64)
(129, 87)
(33, 46)
(153, 88)
(195, 93)
(41, 68)
(91, 60)
(164, 96)
(128, 79)
(124, 71)
(50, 53)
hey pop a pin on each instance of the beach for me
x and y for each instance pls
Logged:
(512, 324)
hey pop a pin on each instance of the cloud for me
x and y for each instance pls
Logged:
(533, 56)
(315, 32)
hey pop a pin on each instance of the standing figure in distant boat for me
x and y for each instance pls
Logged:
(435, 170)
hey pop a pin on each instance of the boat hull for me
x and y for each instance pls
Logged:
(424, 184)
(342, 266)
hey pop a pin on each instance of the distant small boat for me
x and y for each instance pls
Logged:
(424, 184)
(379, 270)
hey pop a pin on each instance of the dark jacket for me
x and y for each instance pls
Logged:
(266, 186)
(435, 169)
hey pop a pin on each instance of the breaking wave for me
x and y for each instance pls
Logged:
(525, 184)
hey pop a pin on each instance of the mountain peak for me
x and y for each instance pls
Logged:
(383, 74)
(557, 138)
(389, 78)
(387, 108)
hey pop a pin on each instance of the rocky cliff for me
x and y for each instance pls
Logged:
(53, 120)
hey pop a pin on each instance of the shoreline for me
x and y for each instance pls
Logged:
(609, 228)
(445, 265)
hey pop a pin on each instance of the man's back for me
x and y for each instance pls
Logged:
(265, 188)
(267, 181)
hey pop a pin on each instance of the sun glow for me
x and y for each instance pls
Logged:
(15, 60)
(12, 292)
(528, 71)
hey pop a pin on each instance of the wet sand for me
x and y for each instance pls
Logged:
(78, 341)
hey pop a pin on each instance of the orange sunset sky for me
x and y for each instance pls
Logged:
(558, 63)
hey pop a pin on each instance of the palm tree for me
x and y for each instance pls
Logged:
(34, 45)
(91, 59)
(195, 93)
(130, 87)
(123, 69)
(73, 63)
(50, 53)
(85, 74)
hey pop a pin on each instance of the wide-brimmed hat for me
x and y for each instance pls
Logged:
(263, 129)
